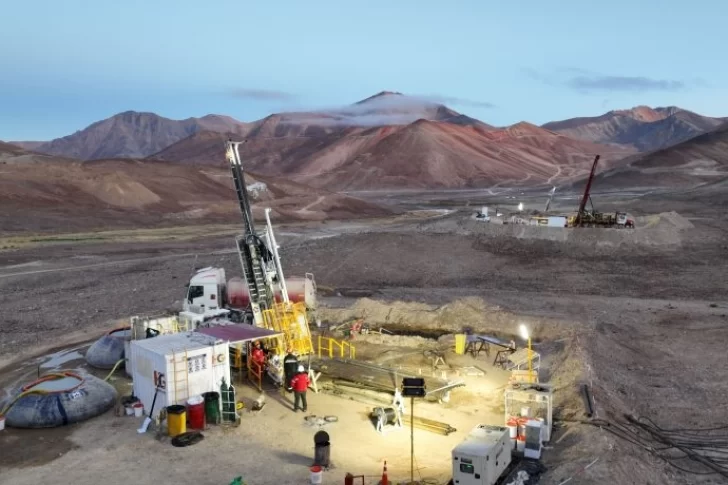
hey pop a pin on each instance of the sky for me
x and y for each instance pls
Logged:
(66, 64)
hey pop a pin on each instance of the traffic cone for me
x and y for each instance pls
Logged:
(385, 479)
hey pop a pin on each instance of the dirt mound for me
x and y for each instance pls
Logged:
(464, 313)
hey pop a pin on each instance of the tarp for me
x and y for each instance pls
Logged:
(238, 333)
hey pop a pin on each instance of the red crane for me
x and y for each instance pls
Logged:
(587, 189)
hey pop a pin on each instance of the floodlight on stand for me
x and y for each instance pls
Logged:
(526, 336)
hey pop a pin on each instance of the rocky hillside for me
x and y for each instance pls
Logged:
(133, 135)
(642, 128)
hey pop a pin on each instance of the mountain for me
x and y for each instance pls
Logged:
(63, 195)
(642, 127)
(701, 160)
(392, 140)
(132, 135)
(15, 155)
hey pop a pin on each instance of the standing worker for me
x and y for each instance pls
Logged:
(290, 364)
(259, 356)
(300, 384)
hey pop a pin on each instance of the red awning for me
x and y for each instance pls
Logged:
(238, 333)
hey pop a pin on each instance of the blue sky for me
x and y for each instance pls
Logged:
(66, 64)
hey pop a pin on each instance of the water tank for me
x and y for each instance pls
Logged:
(238, 297)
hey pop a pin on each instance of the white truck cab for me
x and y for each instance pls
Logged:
(205, 296)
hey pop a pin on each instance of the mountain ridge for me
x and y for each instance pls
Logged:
(641, 127)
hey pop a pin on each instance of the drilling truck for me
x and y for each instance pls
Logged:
(211, 298)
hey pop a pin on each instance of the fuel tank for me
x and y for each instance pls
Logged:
(299, 290)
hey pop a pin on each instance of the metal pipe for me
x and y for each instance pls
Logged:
(276, 257)
(587, 401)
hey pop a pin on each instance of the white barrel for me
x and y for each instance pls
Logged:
(512, 425)
(521, 444)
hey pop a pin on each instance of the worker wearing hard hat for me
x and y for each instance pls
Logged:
(258, 355)
(300, 383)
(290, 364)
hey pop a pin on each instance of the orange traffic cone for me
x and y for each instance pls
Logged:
(385, 479)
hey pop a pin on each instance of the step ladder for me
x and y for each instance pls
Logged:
(181, 379)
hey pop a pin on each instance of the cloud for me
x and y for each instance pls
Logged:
(262, 94)
(633, 84)
(388, 109)
(585, 81)
(458, 101)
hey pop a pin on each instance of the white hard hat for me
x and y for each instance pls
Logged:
(301, 369)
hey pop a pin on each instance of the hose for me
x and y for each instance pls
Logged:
(29, 388)
(113, 369)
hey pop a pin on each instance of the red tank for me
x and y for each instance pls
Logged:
(238, 297)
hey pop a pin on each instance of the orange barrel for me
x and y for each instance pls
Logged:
(176, 420)
(196, 412)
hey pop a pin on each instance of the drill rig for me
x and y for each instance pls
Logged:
(263, 273)
(255, 257)
(262, 298)
(585, 218)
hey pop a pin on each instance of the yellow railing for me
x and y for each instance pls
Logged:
(332, 345)
(290, 319)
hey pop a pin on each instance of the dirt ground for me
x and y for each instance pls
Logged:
(641, 319)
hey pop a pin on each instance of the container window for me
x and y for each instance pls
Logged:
(465, 468)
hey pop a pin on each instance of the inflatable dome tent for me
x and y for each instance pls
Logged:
(58, 399)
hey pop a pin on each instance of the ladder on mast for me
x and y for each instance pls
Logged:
(252, 251)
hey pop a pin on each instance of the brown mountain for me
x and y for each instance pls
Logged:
(642, 128)
(702, 160)
(132, 135)
(60, 195)
(391, 140)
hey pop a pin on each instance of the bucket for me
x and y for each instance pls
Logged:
(512, 425)
(138, 409)
(212, 407)
(317, 475)
(129, 410)
(2, 423)
(521, 443)
(525, 412)
(176, 420)
(196, 412)
(460, 339)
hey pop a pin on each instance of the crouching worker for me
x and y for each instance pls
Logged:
(300, 383)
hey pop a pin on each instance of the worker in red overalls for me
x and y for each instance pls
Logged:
(300, 383)
(258, 356)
